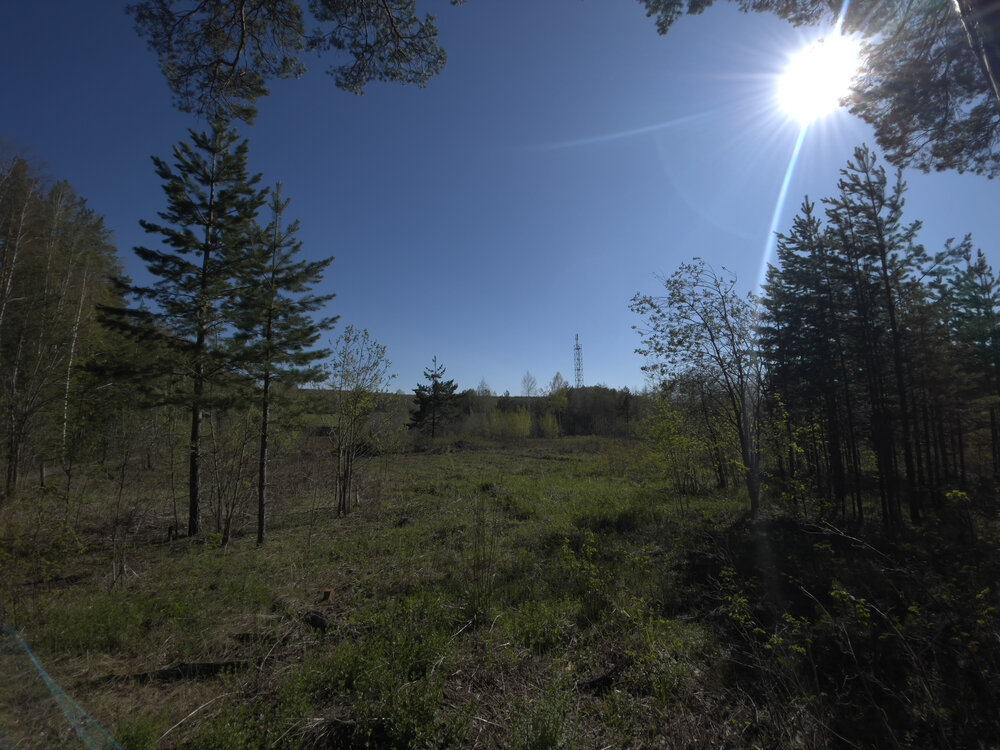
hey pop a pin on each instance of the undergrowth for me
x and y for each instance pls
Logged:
(547, 595)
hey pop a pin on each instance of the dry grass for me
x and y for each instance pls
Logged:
(547, 594)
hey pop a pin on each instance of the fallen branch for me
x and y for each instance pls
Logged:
(203, 705)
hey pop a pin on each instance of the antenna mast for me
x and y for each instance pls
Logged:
(578, 362)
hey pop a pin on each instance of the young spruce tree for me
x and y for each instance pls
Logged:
(435, 400)
(274, 328)
(206, 231)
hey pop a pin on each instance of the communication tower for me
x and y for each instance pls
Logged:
(578, 362)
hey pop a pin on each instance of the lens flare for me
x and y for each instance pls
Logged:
(818, 77)
(779, 206)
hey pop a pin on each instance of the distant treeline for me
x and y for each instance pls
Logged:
(593, 410)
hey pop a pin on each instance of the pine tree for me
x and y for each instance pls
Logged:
(207, 229)
(865, 325)
(801, 340)
(867, 216)
(274, 329)
(218, 57)
(972, 295)
(436, 401)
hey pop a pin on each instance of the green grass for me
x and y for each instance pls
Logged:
(545, 595)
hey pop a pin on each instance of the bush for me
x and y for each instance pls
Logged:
(514, 425)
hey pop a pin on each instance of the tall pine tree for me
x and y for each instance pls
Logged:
(274, 329)
(973, 297)
(802, 338)
(206, 230)
(867, 218)
(864, 337)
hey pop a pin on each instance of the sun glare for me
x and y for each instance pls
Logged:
(818, 77)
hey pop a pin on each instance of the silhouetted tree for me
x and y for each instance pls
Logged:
(218, 57)
(803, 336)
(864, 338)
(973, 295)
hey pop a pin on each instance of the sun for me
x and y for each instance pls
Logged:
(818, 77)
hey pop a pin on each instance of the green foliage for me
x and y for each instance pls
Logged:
(435, 400)
(842, 632)
(683, 451)
(272, 310)
(588, 579)
(358, 379)
(541, 724)
(873, 360)
(548, 427)
(595, 410)
(208, 228)
(663, 655)
(542, 625)
(515, 425)
(703, 331)
(56, 257)
(208, 225)
(113, 621)
(391, 676)
(558, 402)
(218, 58)
(139, 733)
(605, 613)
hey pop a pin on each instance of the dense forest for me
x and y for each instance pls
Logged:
(861, 380)
(883, 355)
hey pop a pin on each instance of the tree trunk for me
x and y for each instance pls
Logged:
(995, 441)
(834, 451)
(981, 21)
(912, 498)
(15, 431)
(961, 452)
(262, 461)
(750, 455)
(69, 371)
(197, 404)
(194, 463)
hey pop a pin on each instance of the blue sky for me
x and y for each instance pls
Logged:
(566, 156)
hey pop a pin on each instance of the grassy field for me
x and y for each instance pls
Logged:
(543, 595)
